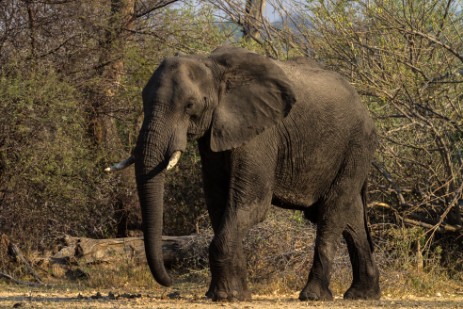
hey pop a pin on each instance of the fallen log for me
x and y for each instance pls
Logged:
(131, 249)
(440, 228)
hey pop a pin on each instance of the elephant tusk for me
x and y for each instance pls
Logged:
(174, 159)
(121, 165)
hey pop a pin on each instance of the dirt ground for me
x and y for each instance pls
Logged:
(13, 297)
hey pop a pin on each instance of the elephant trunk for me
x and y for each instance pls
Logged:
(151, 193)
(150, 165)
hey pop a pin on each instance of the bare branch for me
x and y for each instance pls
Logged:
(439, 227)
(157, 6)
(434, 40)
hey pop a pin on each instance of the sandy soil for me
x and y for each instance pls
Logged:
(10, 297)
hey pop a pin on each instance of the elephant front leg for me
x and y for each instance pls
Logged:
(226, 254)
(238, 189)
(228, 269)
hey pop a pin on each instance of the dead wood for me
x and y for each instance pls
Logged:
(130, 249)
(440, 228)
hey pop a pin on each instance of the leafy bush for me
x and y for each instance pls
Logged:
(47, 176)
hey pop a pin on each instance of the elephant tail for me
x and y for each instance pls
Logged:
(365, 216)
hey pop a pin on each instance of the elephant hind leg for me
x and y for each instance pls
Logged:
(329, 231)
(365, 278)
(342, 213)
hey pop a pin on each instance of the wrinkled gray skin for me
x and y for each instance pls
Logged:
(288, 134)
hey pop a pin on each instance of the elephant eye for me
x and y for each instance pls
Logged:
(195, 107)
(189, 108)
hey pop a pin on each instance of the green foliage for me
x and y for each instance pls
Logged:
(50, 165)
(45, 160)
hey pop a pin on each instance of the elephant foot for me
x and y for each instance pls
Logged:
(322, 294)
(235, 292)
(363, 292)
(233, 296)
(365, 288)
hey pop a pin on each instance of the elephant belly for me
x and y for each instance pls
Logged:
(309, 157)
(293, 200)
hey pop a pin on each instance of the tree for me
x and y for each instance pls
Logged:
(70, 103)
(110, 72)
(253, 18)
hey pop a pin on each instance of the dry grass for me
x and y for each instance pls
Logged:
(279, 253)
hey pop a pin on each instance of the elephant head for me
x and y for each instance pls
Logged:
(229, 97)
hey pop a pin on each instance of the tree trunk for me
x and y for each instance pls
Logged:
(106, 136)
(111, 71)
(254, 16)
(31, 25)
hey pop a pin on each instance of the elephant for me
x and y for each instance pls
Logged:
(285, 133)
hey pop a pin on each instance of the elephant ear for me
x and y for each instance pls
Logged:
(254, 95)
